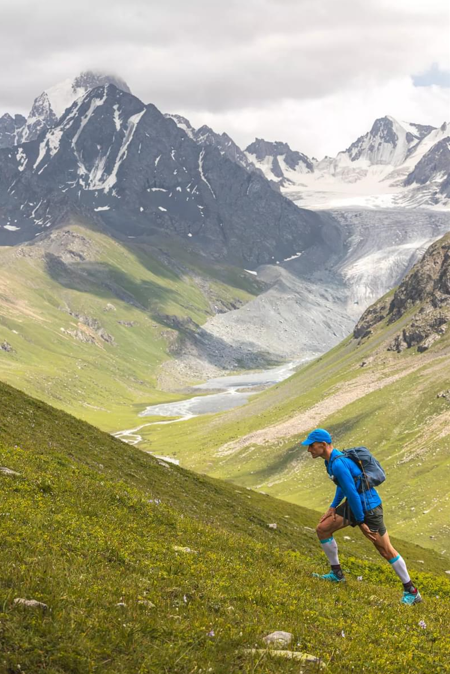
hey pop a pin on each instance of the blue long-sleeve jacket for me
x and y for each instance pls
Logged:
(345, 471)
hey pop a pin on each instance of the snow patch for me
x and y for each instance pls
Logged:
(21, 158)
(131, 128)
(293, 257)
(200, 168)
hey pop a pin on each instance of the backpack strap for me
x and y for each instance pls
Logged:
(355, 477)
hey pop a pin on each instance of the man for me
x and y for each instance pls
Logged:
(362, 508)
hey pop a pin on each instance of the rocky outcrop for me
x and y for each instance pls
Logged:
(10, 129)
(426, 289)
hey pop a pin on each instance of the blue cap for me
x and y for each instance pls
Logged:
(319, 435)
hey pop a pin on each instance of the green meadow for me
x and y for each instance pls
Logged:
(132, 291)
(146, 567)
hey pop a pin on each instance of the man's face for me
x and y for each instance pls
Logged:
(316, 449)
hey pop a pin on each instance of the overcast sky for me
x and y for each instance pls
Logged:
(314, 73)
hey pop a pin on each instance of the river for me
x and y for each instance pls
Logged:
(234, 391)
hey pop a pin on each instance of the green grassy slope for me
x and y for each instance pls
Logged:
(390, 404)
(90, 525)
(129, 289)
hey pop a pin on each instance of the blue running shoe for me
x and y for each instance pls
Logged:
(411, 598)
(333, 577)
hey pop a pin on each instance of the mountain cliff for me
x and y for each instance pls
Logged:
(140, 174)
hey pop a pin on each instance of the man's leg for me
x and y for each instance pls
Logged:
(325, 531)
(384, 546)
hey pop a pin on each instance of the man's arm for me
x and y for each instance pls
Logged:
(347, 484)
(339, 495)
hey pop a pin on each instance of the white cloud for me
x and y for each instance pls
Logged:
(330, 124)
(300, 70)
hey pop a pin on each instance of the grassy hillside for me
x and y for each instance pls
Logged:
(98, 532)
(89, 319)
(395, 403)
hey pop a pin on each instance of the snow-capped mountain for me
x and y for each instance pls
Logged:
(395, 164)
(125, 163)
(387, 144)
(278, 162)
(50, 105)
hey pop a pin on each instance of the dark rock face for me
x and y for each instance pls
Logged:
(122, 162)
(222, 141)
(262, 148)
(435, 162)
(41, 118)
(10, 129)
(372, 316)
(427, 287)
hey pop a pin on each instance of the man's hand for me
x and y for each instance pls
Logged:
(331, 512)
(371, 535)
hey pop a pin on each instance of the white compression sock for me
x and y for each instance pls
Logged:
(330, 548)
(399, 566)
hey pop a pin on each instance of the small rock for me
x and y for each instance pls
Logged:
(8, 471)
(448, 572)
(163, 463)
(273, 526)
(147, 603)
(347, 538)
(121, 604)
(30, 603)
(110, 307)
(289, 655)
(179, 548)
(5, 346)
(278, 638)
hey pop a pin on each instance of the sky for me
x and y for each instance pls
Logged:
(313, 73)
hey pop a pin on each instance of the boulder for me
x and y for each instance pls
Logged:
(278, 638)
(30, 603)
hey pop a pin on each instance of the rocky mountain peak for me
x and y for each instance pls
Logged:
(277, 160)
(10, 129)
(49, 106)
(425, 289)
(90, 80)
(387, 142)
(140, 174)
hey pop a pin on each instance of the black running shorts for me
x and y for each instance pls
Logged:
(373, 518)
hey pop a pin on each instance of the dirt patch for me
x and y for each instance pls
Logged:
(343, 396)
